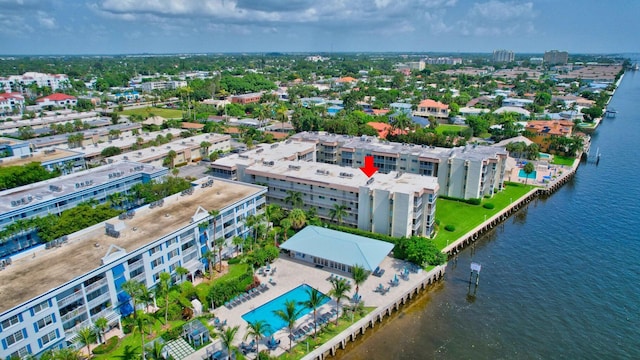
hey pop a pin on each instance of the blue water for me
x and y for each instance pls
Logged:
(560, 279)
(544, 156)
(266, 312)
(523, 174)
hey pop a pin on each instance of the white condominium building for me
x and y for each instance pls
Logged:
(471, 171)
(392, 204)
(48, 295)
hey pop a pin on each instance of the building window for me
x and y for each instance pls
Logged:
(44, 321)
(156, 262)
(10, 322)
(43, 305)
(48, 338)
(155, 249)
(14, 338)
(21, 353)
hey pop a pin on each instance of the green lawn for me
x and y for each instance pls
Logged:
(324, 335)
(442, 128)
(129, 346)
(154, 111)
(563, 160)
(465, 216)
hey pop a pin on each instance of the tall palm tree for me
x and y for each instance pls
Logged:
(294, 198)
(257, 329)
(171, 156)
(274, 213)
(181, 271)
(134, 289)
(227, 336)
(289, 314)
(116, 199)
(205, 145)
(340, 288)
(142, 321)
(210, 256)
(528, 169)
(401, 122)
(214, 217)
(298, 218)
(313, 302)
(101, 324)
(86, 337)
(285, 224)
(359, 276)
(61, 354)
(338, 212)
(237, 242)
(163, 290)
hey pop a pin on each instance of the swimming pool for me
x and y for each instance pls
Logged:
(544, 156)
(523, 174)
(265, 312)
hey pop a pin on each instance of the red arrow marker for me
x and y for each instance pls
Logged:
(368, 168)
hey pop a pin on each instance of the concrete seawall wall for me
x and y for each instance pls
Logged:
(340, 341)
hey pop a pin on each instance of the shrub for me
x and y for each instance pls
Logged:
(172, 333)
(488, 206)
(450, 228)
(107, 347)
(438, 222)
(474, 201)
(233, 261)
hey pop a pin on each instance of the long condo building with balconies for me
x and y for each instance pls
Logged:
(396, 204)
(47, 295)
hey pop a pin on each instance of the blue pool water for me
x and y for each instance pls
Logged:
(265, 312)
(544, 156)
(523, 174)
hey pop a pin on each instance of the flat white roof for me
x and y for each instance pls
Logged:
(345, 177)
(267, 152)
(85, 250)
(54, 188)
(178, 145)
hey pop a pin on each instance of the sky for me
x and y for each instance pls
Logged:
(63, 27)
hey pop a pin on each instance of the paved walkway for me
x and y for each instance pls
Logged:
(290, 274)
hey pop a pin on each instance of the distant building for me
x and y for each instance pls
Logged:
(555, 57)
(246, 98)
(163, 85)
(433, 108)
(401, 108)
(536, 60)
(10, 103)
(18, 82)
(416, 65)
(57, 100)
(503, 56)
(544, 130)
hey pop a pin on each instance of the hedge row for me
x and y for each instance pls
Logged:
(472, 201)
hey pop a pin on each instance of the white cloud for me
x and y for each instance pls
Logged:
(496, 18)
(46, 21)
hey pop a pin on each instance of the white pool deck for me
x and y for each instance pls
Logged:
(289, 275)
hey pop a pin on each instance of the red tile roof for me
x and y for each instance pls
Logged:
(346, 79)
(56, 97)
(433, 104)
(190, 125)
(383, 129)
(11, 95)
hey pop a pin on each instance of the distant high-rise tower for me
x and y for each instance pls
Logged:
(503, 56)
(555, 57)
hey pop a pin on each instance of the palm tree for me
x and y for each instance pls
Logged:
(274, 213)
(86, 337)
(205, 145)
(214, 217)
(61, 354)
(294, 198)
(134, 289)
(210, 256)
(401, 122)
(156, 350)
(528, 169)
(339, 292)
(338, 212)
(285, 224)
(298, 218)
(257, 329)
(141, 322)
(116, 199)
(359, 276)
(313, 302)
(237, 241)
(253, 221)
(163, 290)
(289, 315)
(181, 271)
(227, 337)
(101, 324)
(171, 156)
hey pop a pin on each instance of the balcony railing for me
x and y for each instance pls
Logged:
(100, 299)
(72, 314)
(69, 299)
(96, 285)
